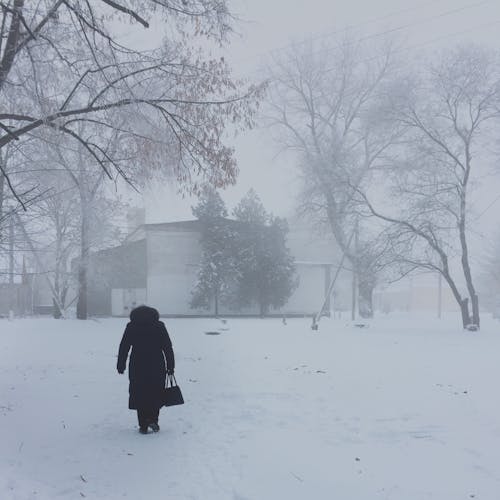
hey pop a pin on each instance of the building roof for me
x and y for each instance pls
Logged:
(192, 225)
(111, 251)
(186, 225)
(182, 224)
(315, 263)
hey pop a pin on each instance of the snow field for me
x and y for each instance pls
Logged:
(405, 409)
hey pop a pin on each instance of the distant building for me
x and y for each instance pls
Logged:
(416, 293)
(158, 265)
(16, 296)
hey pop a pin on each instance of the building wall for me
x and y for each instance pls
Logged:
(173, 257)
(121, 268)
(123, 300)
(161, 270)
(414, 294)
(310, 248)
(15, 298)
(309, 296)
(42, 294)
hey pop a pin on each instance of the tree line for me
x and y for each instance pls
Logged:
(245, 260)
(84, 109)
(392, 148)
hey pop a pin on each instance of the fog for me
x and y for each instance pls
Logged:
(426, 26)
(293, 205)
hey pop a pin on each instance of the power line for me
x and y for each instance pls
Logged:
(488, 207)
(357, 25)
(379, 34)
(424, 20)
(433, 40)
(421, 21)
(416, 23)
(456, 33)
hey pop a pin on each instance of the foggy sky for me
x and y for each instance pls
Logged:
(268, 27)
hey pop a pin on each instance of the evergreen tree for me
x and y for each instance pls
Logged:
(266, 272)
(251, 210)
(217, 265)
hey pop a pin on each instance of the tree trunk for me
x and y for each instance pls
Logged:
(468, 278)
(216, 304)
(12, 40)
(57, 314)
(262, 309)
(464, 308)
(463, 243)
(81, 305)
(365, 298)
(462, 302)
(475, 311)
(2, 189)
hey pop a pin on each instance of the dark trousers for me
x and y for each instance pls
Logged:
(147, 416)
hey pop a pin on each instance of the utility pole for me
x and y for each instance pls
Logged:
(440, 295)
(353, 294)
(12, 292)
(328, 279)
(317, 317)
(11, 249)
(355, 266)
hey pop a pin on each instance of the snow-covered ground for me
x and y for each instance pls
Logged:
(404, 409)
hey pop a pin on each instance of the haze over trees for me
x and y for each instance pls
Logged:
(218, 266)
(266, 269)
(326, 106)
(245, 260)
(366, 126)
(451, 115)
(69, 77)
(305, 194)
(82, 104)
(68, 58)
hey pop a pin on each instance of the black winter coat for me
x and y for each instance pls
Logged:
(151, 347)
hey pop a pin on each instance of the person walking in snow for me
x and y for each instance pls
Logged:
(152, 357)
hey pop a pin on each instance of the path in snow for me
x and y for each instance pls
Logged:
(401, 410)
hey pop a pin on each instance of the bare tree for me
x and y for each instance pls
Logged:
(52, 228)
(69, 56)
(94, 210)
(74, 213)
(325, 102)
(10, 163)
(449, 116)
(10, 241)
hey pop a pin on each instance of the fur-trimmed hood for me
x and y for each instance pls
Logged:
(144, 315)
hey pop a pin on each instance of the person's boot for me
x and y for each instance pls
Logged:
(143, 429)
(154, 426)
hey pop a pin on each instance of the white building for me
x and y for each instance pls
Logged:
(158, 263)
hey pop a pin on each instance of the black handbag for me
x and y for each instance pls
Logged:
(172, 394)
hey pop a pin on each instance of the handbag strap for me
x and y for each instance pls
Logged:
(171, 379)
